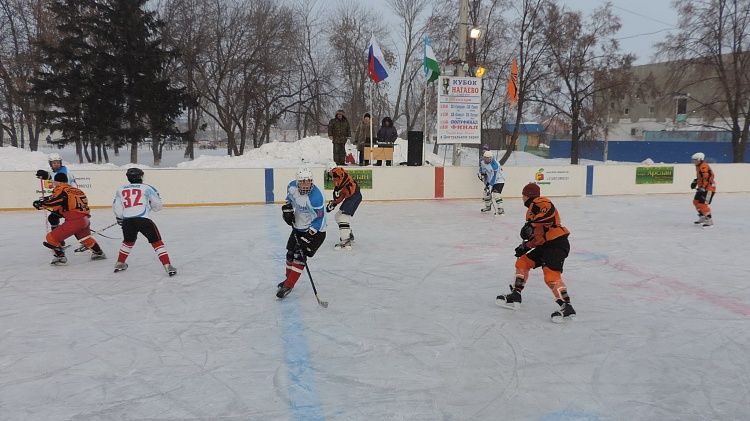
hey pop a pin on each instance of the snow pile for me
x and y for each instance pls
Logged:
(310, 151)
(17, 159)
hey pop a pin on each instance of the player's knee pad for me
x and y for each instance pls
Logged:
(554, 281)
(88, 241)
(525, 263)
(51, 240)
(341, 217)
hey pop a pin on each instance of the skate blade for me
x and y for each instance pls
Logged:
(511, 306)
(561, 319)
(59, 263)
(707, 226)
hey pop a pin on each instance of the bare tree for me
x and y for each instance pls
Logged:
(349, 35)
(186, 30)
(19, 59)
(713, 43)
(532, 53)
(586, 61)
(410, 63)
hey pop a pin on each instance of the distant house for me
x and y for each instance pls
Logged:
(665, 100)
(530, 135)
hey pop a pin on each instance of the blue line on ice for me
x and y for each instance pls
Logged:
(303, 398)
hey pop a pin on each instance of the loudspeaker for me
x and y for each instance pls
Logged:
(415, 140)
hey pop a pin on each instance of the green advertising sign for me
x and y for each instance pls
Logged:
(654, 175)
(362, 177)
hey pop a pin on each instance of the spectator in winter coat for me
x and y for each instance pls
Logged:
(339, 132)
(387, 134)
(362, 138)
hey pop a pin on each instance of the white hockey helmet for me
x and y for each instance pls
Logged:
(487, 154)
(304, 180)
(330, 166)
(54, 157)
(698, 157)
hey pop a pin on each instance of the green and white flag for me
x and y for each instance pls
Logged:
(431, 66)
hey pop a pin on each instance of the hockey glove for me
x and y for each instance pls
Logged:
(487, 189)
(480, 176)
(119, 221)
(527, 231)
(330, 206)
(693, 184)
(37, 204)
(42, 175)
(522, 249)
(287, 212)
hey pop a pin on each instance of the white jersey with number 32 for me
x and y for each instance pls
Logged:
(135, 201)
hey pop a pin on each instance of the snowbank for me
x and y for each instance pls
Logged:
(311, 151)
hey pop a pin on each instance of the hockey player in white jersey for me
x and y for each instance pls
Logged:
(131, 205)
(491, 173)
(305, 212)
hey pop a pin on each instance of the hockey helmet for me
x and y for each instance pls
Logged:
(487, 154)
(531, 190)
(54, 157)
(304, 180)
(134, 175)
(330, 166)
(698, 157)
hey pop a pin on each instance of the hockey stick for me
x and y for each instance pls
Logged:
(41, 188)
(322, 303)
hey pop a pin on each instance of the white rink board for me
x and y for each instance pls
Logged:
(187, 187)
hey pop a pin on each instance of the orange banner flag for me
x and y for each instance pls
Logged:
(513, 82)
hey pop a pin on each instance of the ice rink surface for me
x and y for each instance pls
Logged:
(412, 331)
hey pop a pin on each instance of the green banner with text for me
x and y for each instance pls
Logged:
(362, 177)
(654, 175)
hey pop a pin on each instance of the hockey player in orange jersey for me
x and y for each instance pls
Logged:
(545, 244)
(705, 189)
(70, 203)
(345, 192)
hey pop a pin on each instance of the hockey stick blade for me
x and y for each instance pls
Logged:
(323, 304)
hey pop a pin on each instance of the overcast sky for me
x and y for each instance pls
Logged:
(644, 22)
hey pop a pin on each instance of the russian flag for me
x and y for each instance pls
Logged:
(376, 62)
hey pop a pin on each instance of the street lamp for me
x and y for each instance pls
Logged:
(475, 33)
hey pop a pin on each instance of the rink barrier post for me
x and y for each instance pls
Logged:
(589, 180)
(269, 185)
(439, 182)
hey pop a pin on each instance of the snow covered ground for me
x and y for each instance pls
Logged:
(411, 333)
(312, 151)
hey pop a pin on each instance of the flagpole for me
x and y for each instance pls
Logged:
(426, 134)
(372, 115)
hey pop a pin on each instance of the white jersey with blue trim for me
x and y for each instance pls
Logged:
(136, 200)
(493, 172)
(309, 209)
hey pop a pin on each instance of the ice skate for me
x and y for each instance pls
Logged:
(344, 245)
(566, 312)
(98, 255)
(708, 222)
(283, 291)
(500, 211)
(59, 261)
(511, 301)
(120, 266)
(486, 208)
(171, 271)
(701, 220)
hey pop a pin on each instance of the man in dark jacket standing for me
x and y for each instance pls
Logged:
(387, 135)
(339, 132)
